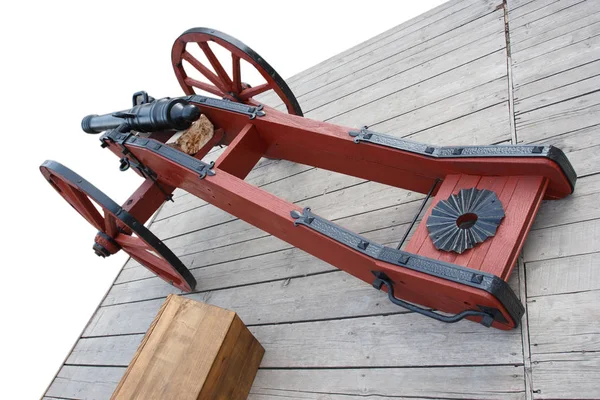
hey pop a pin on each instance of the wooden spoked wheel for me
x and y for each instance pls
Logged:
(220, 83)
(117, 229)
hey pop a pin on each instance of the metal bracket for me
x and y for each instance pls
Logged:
(141, 97)
(550, 152)
(365, 135)
(203, 169)
(487, 317)
(240, 108)
(128, 160)
(132, 160)
(451, 272)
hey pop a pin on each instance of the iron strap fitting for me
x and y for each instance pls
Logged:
(240, 108)
(201, 168)
(440, 269)
(534, 151)
(129, 160)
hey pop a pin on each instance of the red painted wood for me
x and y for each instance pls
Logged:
(204, 86)
(143, 253)
(110, 225)
(495, 184)
(236, 71)
(204, 70)
(272, 214)
(520, 214)
(254, 91)
(79, 201)
(214, 61)
(142, 204)
(146, 200)
(202, 39)
(330, 147)
(243, 153)
(520, 197)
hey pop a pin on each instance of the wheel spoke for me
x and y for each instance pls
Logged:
(237, 73)
(110, 224)
(231, 79)
(204, 71)
(216, 65)
(116, 225)
(253, 91)
(81, 203)
(204, 86)
(141, 252)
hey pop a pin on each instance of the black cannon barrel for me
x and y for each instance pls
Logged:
(163, 114)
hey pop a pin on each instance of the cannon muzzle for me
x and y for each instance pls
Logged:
(158, 115)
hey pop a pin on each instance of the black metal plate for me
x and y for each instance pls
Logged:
(443, 223)
(203, 169)
(240, 108)
(451, 272)
(549, 152)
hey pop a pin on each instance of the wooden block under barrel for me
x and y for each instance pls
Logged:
(192, 351)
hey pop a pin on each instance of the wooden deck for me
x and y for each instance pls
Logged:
(445, 77)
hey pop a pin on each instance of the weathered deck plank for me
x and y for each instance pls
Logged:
(563, 241)
(555, 65)
(552, 44)
(495, 382)
(78, 382)
(566, 376)
(108, 351)
(457, 65)
(555, 61)
(563, 275)
(341, 343)
(489, 382)
(535, 10)
(341, 61)
(281, 301)
(389, 61)
(553, 26)
(573, 325)
(567, 116)
(586, 86)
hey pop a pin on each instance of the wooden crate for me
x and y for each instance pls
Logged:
(194, 351)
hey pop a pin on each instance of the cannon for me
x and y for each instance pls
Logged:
(455, 265)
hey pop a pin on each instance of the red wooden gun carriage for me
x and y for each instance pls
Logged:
(458, 259)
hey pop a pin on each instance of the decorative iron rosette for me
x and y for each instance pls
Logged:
(465, 219)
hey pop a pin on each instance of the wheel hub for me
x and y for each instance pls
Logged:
(104, 245)
(116, 228)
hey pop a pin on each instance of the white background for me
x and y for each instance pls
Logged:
(61, 61)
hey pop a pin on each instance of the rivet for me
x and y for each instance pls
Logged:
(537, 149)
